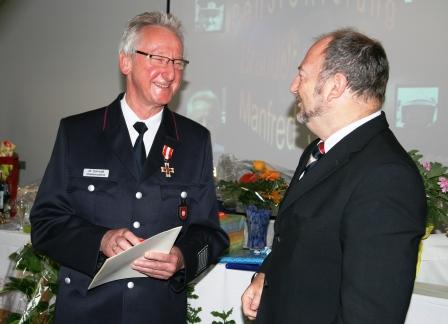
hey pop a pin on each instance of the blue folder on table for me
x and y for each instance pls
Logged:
(243, 260)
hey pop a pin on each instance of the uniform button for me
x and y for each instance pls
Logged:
(91, 188)
(130, 285)
(278, 239)
(136, 224)
(138, 195)
(67, 280)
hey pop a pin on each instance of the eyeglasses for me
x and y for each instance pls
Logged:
(162, 61)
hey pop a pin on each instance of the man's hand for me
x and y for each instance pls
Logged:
(118, 240)
(251, 297)
(160, 265)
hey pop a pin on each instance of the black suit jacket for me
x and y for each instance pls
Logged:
(347, 235)
(73, 211)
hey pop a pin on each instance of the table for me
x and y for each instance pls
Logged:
(429, 304)
(434, 262)
(221, 289)
(11, 241)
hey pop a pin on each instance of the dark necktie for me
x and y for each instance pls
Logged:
(317, 152)
(139, 146)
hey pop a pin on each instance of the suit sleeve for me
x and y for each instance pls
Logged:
(381, 230)
(56, 231)
(204, 240)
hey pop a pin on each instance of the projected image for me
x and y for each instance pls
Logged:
(204, 107)
(209, 15)
(245, 55)
(416, 106)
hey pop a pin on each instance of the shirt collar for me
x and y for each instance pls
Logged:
(340, 134)
(131, 118)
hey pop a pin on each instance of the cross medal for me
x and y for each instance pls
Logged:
(167, 170)
(167, 153)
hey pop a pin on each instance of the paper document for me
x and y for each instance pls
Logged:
(119, 266)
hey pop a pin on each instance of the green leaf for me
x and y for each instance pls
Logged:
(13, 318)
(24, 285)
(192, 313)
(437, 170)
(224, 316)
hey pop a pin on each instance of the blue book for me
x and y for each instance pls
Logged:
(243, 266)
(244, 257)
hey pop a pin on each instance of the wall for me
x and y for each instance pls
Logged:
(57, 58)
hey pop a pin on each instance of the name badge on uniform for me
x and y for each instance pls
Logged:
(96, 173)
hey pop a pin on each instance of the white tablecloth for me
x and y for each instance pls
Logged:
(221, 289)
(429, 304)
(10, 241)
(434, 262)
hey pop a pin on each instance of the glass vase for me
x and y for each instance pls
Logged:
(257, 226)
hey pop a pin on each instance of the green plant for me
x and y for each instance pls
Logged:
(435, 179)
(224, 316)
(37, 279)
(192, 313)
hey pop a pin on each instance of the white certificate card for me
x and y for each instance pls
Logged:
(119, 266)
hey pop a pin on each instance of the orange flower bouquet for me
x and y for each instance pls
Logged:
(262, 187)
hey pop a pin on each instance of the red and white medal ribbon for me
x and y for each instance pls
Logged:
(167, 152)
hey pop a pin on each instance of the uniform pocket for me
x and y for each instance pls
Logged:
(171, 196)
(93, 197)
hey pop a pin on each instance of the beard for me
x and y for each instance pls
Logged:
(304, 115)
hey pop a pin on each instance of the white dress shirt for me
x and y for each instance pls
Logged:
(340, 134)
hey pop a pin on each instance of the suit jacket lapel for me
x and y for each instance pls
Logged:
(324, 168)
(303, 161)
(166, 135)
(117, 136)
(300, 168)
(338, 156)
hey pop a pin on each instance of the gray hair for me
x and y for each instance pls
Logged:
(361, 59)
(155, 18)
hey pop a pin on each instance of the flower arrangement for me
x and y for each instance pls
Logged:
(7, 149)
(435, 179)
(262, 187)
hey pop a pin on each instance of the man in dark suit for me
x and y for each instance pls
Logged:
(123, 173)
(348, 230)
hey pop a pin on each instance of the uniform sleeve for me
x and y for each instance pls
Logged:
(56, 230)
(204, 240)
(381, 230)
